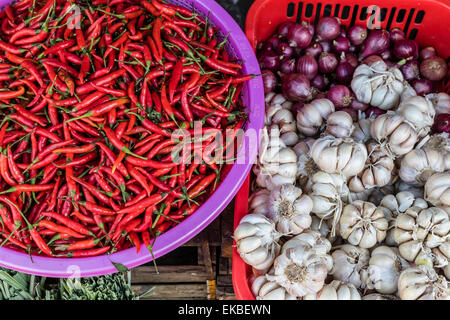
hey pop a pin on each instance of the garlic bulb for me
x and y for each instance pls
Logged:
(419, 164)
(349, 262)
(393, 205)
(419, 112)
(256, 241)
(361, 133)
(273, 98)
(258, 202)
(422, 283)
(377, 171)
(326, 193)
(392, 131)
(337, 155)
(289, 209)
(441, 102)
(311, 239)
(336, 290)
(385, 265)
(277, 164)
(378, 85)
(276, 114)
(306, 166)
(420, 229)
(377, 296)
(340, 124)
(437, 189)
(363, 224)
(400, 185)
(301, 270)
(264, 289)
(311, 117)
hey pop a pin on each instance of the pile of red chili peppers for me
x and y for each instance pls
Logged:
(90, 95)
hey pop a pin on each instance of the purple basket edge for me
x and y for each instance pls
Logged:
(177, 236)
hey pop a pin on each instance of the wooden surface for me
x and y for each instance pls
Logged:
(200, 269)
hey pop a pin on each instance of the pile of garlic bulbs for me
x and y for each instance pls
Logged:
(346, 210)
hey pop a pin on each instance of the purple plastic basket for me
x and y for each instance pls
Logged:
(253, 97)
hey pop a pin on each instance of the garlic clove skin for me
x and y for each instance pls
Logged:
(384, 269)
(306, 166)
(361, 133)
(441, 102)
(256, 241)
(301, 270)
(349, 262)
(437, 189)
(311, 239)
(336, 290)
(363, 224)
(337, 155)
(419, 112)
(289, 209)
(339, 124)
(419, 164)
(311, 117)
(264, 289)
(258, 202)
(422, 283)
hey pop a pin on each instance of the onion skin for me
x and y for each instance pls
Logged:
(328, 28)
(371, 59)
(307, 66)
(296, 87)
(422, 86)
(340, 44)
(284, 50)
(374, 112)
(315, 49)
(284, 27)
(269, 80)
(350, 58)
(287, 66)
(340, 95)
(406, 48)
(410, 70)
(441, 123)
(299, 36)
(269, 60)
(377, 42)
(356, 105)
(357, 35)
(386, 55)
(320, 82)
(434, 68)
(352, 112)
(344, 72)
(396, 34)
(297, 107)
(327, 62)
(273, 41)
(427, 52)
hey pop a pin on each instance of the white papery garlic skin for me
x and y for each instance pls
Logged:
(289, 209)
(419, 112)
(336, 290)
(437, 189)
(340, 124)
(257, 241)
(258, 202)
(385, 265)
(306, 166)
(377, 171)
(283, 117)
(363, 224)
(311, 239)
(361, 133)
(301, 270)
(392, 205)
(418, 230)
(422, 283)
(378, 85)
(337, 155)
(418, 165)
(312, 116)
(441, 101)
(349, 262)
(391, 130)
(277, 163)
(264, 289)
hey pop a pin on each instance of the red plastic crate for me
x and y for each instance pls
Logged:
(426, 21)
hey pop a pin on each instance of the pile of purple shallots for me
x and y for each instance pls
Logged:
(351, 191)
